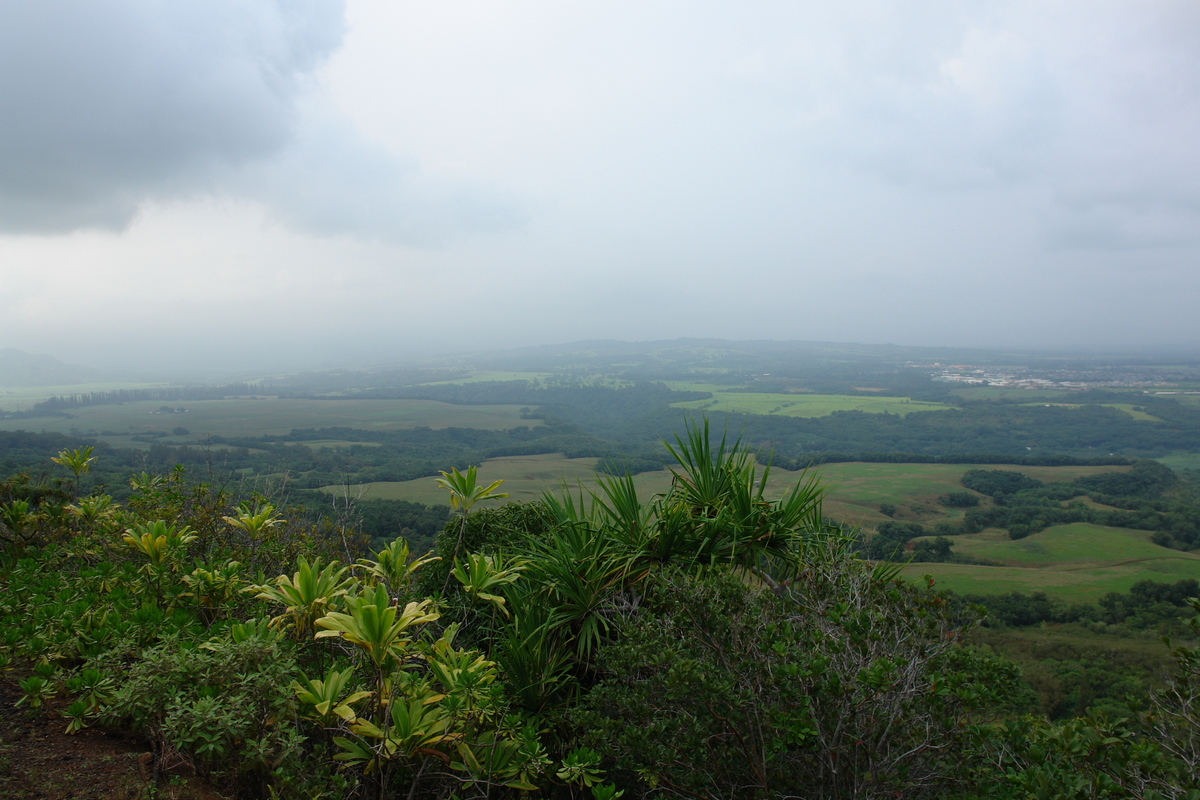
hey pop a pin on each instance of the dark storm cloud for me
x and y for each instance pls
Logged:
(108, 104)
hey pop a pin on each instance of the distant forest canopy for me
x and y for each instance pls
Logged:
(615, 401)
(642, 414)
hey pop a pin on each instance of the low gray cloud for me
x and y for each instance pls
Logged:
(333, 181)
(924, 172)
(107, 104)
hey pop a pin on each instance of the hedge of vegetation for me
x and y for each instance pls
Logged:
(710, 643)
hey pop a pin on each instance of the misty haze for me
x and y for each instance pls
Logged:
(669, 400)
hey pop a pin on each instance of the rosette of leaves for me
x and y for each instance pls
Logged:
(394, 566)
(306, 596)
(214, 588)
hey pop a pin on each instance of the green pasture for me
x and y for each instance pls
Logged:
(334, 444)
(23, 398)
(1181, 460)
(1129, 409)
(1076, 544)
(525, 478)
(484, 376)
(269, 416)
(1080, 561)
(1076, 562)
(1005, 392)
(796, 404)
(855, 489)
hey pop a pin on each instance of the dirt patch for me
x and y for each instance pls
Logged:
(40, 761)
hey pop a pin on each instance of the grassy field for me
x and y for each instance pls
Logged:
(495, 375)
(856, 489)
(1075, 562)
(22, 398)
(1002, 392)
(525, 478)
(273, 417)
(1181, 460)
(796, 405)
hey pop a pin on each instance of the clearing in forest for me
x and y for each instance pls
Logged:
(1078, 562)
(269, 416)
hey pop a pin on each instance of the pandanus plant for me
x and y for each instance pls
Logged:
(719, 494)
(604, 542)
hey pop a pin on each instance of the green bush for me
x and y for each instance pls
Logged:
(221, 705)
(719, 689)
(959, 500)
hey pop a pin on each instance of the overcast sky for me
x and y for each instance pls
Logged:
(312, 182)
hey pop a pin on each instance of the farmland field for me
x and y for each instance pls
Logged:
(22, 398)
(1080, 562)
(525, 478)
(856, 489)
(270, 416)
(1005, 392)
(1074, 562)
(797, 404)
(483, 376)
(1181, 460)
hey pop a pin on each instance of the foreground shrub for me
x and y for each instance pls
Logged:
(220, 706)
(842, 684)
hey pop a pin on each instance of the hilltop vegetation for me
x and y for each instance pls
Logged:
(600, 629)
(706, 643)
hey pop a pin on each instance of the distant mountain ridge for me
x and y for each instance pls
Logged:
(18, 368)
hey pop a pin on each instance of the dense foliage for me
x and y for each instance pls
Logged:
(710, 642)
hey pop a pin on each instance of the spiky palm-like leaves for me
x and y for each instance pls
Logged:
(394, 566)
(79, 461)
(306, 596)
(482, 575)
(465, 492)
(719, 493)
(605, 541)
(577, 570)
(376, 626)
